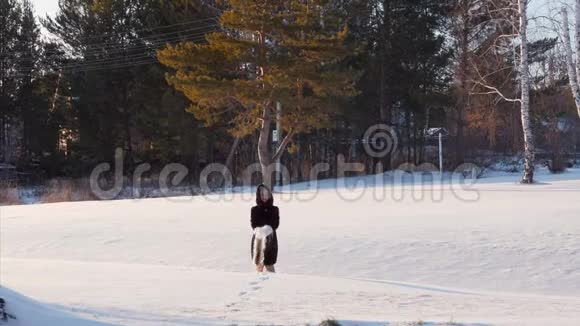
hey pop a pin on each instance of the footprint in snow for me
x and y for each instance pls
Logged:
(245, 295)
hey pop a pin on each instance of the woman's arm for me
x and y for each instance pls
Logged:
(253, 218)
(275, 218)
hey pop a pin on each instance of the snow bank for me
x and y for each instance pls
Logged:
(31, 313)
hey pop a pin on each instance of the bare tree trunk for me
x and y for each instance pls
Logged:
(464, 91)
(230, 157)
(128, 140)
(572, 70)
(3, 101)
(264, 148)
(426, 127)
(577, 34)
(408, 132)
(265, 153)
(2, 137)
(529, 146)
(415, 143)
(385, 109)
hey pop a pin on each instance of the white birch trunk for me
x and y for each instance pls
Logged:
(577, 35)
(529, 146)
(572, 70)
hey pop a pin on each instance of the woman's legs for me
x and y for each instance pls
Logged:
(268, 268)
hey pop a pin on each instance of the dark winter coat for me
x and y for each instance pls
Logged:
(265, 213)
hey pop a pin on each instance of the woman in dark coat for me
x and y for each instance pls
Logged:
(265, 220)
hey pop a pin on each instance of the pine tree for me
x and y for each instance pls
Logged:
(123, 99)
(28, 49)
(406, 68)
(10, 13)
(268, 52)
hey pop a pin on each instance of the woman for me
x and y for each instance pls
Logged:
(265, 221)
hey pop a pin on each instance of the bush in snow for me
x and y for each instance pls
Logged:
(64, 190)
(9, 196)
(557, 164)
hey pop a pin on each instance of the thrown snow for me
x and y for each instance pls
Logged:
(508, 255)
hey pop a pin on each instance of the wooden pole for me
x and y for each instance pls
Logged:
(278, 142)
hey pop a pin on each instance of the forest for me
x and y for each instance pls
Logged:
(195, 82)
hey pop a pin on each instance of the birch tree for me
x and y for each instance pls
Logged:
(529, 143)
(573, 68)
(513, 14)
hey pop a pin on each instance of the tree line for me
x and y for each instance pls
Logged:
(200, 81)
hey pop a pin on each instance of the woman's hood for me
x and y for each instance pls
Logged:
(259, 201)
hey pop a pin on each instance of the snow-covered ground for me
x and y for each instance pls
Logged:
(497, 253)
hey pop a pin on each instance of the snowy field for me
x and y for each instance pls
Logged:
(498, 253)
